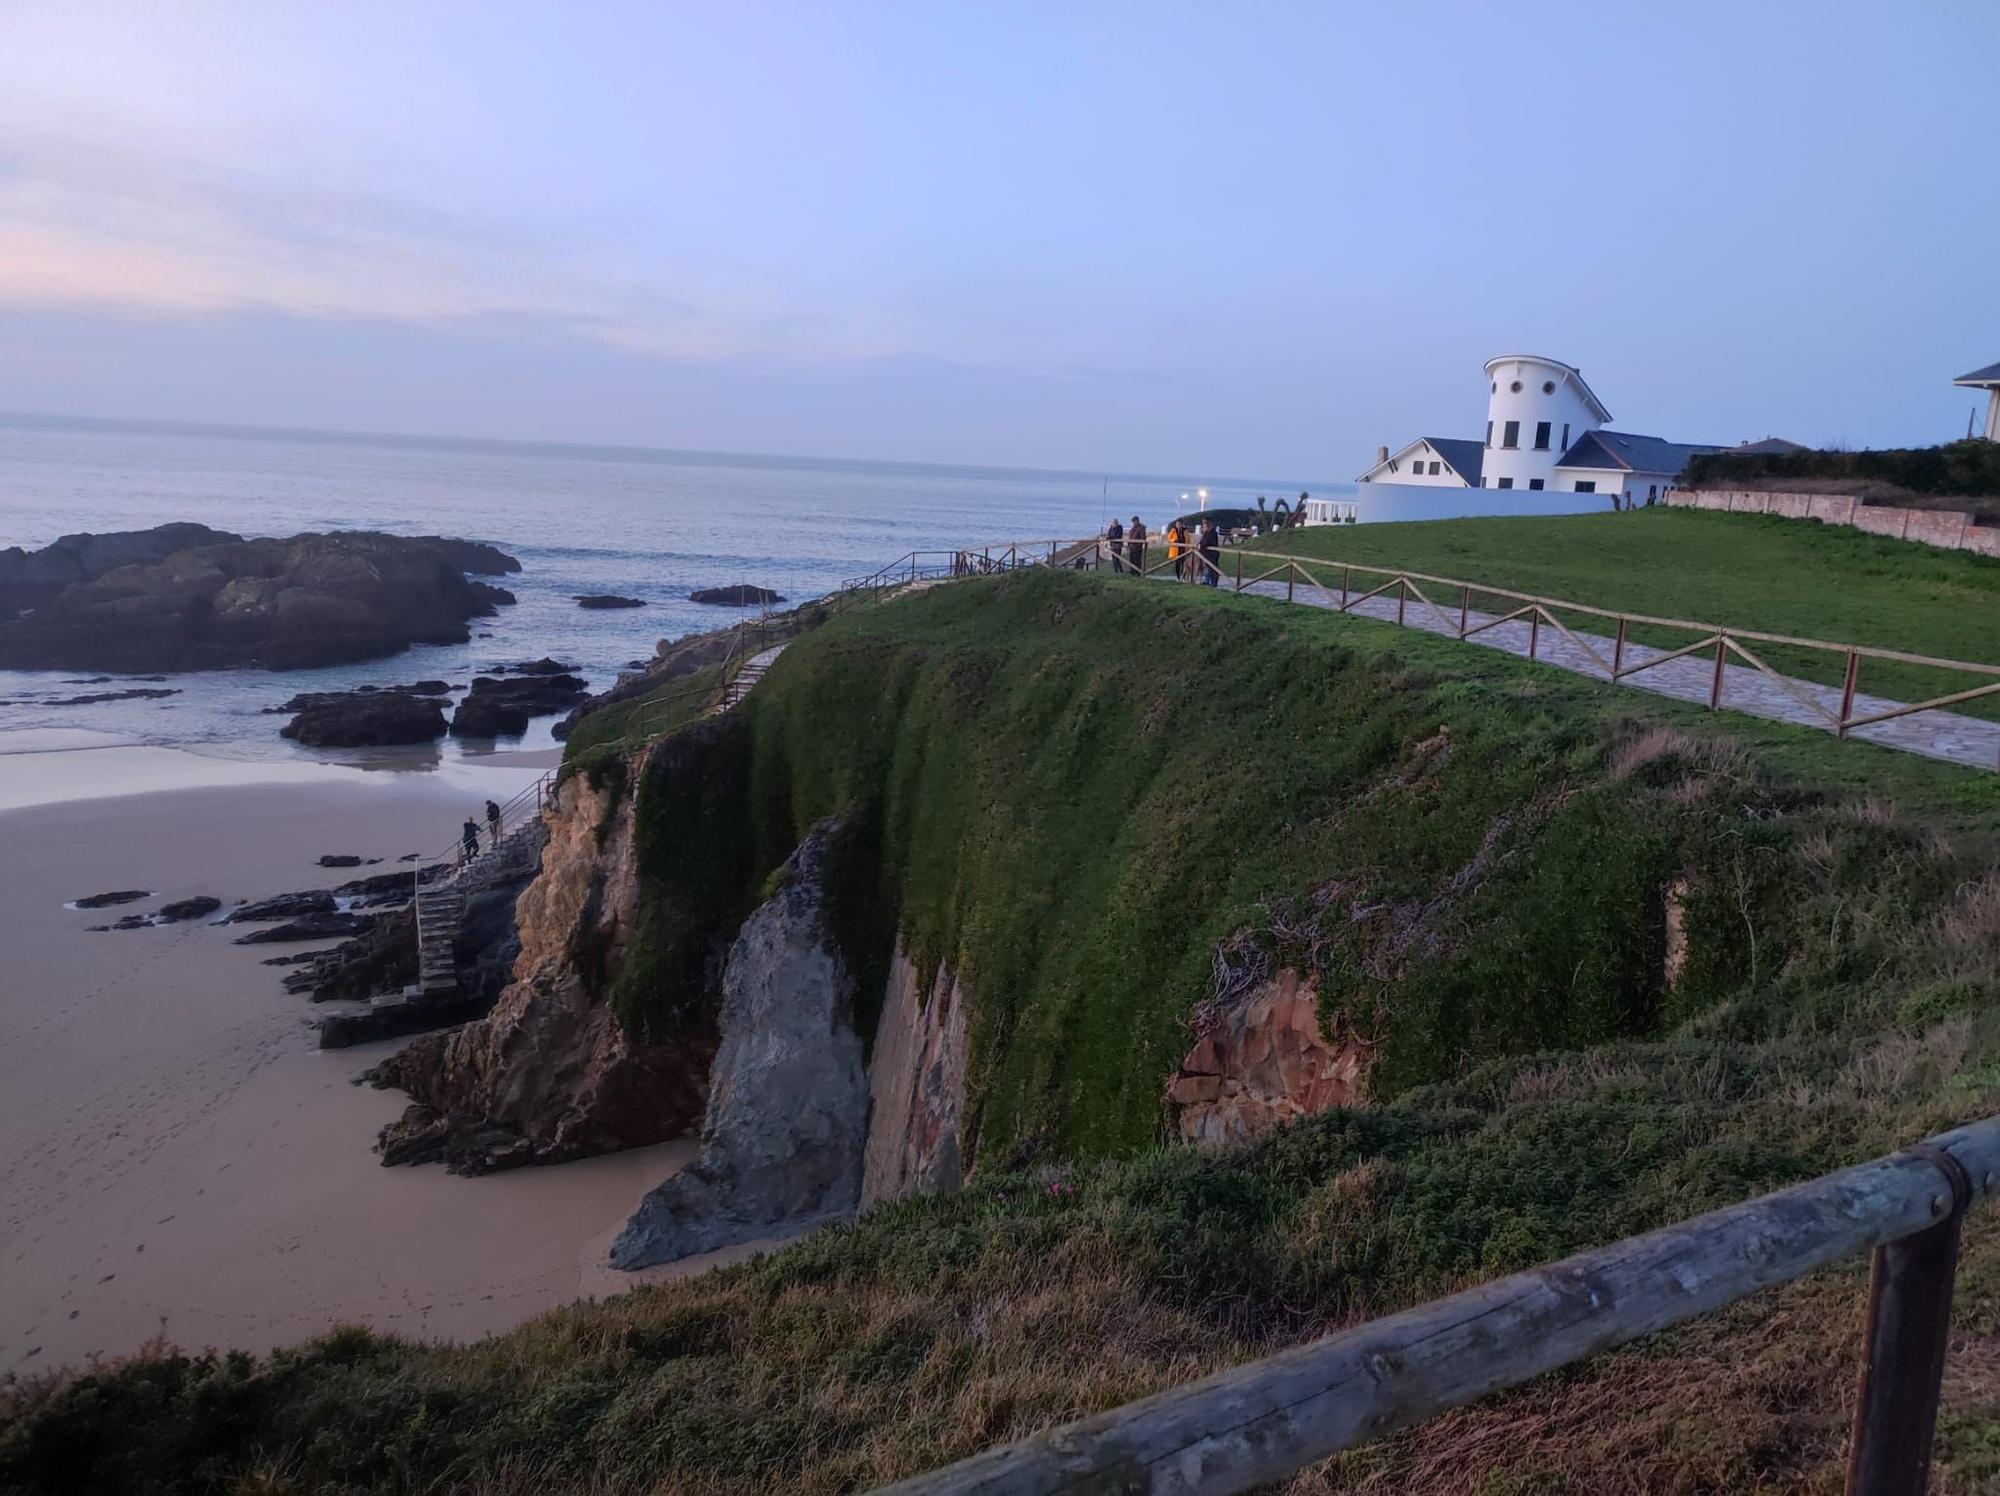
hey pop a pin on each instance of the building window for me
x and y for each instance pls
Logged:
(1586, 485)
(1514, 388)
(1541, 436)
(1565, 436)
(1506, 482)
(1434, 469)
(1548, 386)
(1534, 483)
(1489, 433)
(1652, 492)
(1510, 434)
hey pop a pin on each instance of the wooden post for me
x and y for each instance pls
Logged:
(1464, 608)
(1534, 629)
(1402, 596)
(1346, 576)
(1847, 691)
(1618, 652)
(1909, 1324)
(1291, 573)
(1715, 686)
(1239, 571)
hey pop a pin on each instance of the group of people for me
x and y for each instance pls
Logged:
(1193, 551)
(468, 834)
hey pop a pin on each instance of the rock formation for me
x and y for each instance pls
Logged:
(363, 719)
(602, 600)
(782, 1144)
(549, 1074)
(1263, 1061)
(183, 597)
(741, 595)
(916, 1086)
(495, 707)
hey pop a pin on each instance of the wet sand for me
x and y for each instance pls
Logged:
(176, 1156)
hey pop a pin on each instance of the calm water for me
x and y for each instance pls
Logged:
(648, 524)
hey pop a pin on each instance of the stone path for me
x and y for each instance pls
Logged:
(752, 672)
(1951, 736)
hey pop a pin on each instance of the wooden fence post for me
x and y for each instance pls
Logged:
(1239, 571)
(1464, 608)
(1346, 576)
(1402, 596)
(1618, 651)
(1534, 629)
(1909, 1325)
(1847, 690)
(1715, 686)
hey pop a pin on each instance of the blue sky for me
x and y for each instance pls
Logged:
(1255, 239)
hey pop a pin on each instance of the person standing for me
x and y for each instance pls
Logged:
(1115, 533)
(1135, 546)
(1210, 549)
(1177, 537)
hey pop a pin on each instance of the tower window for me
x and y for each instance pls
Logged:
(1510, 434)
(1515, 387)
(1506, 482)
(1565, 436)
(1534, 483)
(1489, 433)
(1548, 386)
(1541, 436)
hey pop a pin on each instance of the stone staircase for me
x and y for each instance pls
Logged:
(752, 672)
(440, 905)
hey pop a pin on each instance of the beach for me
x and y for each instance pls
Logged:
(177, 1157)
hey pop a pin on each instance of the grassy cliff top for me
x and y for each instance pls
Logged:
(1076, 785)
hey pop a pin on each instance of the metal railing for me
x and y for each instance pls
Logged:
(1719, 641)
(1272, 1417)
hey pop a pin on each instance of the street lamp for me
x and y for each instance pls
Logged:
(1203, 494)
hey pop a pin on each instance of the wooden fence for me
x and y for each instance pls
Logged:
(1150, 558)
(1268, 1419)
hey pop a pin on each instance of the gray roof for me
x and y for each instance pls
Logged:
(1633, 454)
(1464, 457)
(1988, 375)
(1770, 444)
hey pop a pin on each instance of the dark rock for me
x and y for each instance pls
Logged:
(129, 922)
(380, 889)
(339, 859)
(490, 599)
(295, 959)
(198, 907)
(543, 666)
(141, 693)
(415, 688)
(323, 926)
(474, 556)
(183, 597)
(285, 906)
(596, 600)
(88, 680)
(495, 707)
(106, 900)
(742, 595)
(364, 719)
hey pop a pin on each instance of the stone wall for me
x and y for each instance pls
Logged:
(1948, 529)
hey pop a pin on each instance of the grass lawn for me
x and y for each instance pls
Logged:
(1747, 571)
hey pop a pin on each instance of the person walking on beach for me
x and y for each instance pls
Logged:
(1135, 546)
(1115, 533)
(1210, 548)
(493, 822)
(468, 841)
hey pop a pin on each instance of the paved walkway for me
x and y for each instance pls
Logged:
(1951, 736)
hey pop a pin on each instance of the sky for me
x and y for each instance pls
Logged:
(1253, 239)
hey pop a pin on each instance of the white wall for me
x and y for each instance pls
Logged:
(1631, 488)
(1419, 455)
(1529, 405)
(1378, 502)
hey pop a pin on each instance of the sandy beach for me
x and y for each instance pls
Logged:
(175, 1154)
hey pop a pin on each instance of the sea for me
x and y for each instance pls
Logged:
(640, 522)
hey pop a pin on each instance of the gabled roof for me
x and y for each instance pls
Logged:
(1990, 375)
(1626, 452)
(1569, 372)
(1462, 457)
(1770, 444)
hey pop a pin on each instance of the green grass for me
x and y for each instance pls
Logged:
(1746, 571)
(1072, 787)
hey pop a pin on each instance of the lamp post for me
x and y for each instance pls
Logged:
(1202, 494)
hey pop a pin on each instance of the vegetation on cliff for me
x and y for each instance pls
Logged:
(1079, 791)
(1968, 468)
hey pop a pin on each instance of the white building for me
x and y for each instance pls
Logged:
(1987, 379)
(1544, 430)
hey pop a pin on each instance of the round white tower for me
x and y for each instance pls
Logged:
(1534, 410)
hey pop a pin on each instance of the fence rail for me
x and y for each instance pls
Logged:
(1722, 642)
(1272, 1417)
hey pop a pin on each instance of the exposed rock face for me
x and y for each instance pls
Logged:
(199, 907)
(782, 1145)
(601, 600)
(1263, 1062)
(741, 595)
(475, 557)
(187, 598)
(916, 1085)
(30, 578)
(91, 698)
(363, 719)
(117, 896)
(285, 906)
(549, 1074)
(501, 708)
(334, 926)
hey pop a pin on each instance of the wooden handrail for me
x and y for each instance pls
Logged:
(1264, 1420)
